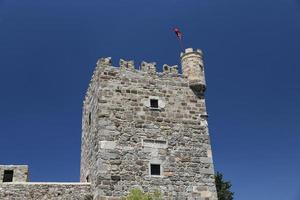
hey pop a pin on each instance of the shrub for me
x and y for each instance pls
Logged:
(137, 194)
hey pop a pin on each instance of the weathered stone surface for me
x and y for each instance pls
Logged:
(134, 122)
(124, 132)
(20, 172)
(45, 191)
(193, 69)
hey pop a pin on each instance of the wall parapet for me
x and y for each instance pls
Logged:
(145, 67)
(149, 68)
(37, 191)
(191, 50)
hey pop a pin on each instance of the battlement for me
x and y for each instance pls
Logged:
(141, 124)
(145, 67)
(191, 50)
(191, 64)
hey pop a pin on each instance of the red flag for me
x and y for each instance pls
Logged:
(178, 33)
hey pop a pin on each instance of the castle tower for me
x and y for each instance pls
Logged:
(146, 129)
(193, 69)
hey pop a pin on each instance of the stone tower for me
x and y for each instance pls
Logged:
(146, 129)
(193, 69)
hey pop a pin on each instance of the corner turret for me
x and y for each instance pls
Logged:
(193, 69)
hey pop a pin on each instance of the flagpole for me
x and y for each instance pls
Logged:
(179, 37)
(181, 44)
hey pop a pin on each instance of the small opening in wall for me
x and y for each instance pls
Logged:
(90, 118)
(154, 103)
(201, 67)
(8, 175)
(149, 141)
(155, 169)
(88, 178)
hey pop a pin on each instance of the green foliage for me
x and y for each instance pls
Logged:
(223, 188)
(137, 194)
(88, 197)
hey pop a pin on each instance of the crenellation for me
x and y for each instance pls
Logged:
(140, 128)
(167, 69)
(105, 61)
(126, 65)
(145, 119)
(149, 67)
(191, 50)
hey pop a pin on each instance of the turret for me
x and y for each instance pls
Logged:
(193, 69)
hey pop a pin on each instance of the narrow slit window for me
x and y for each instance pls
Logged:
(8, 175)
(160, 142)
(90, 118)
(155, 169)
(154, 103)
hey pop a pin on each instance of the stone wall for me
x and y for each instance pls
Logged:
(193, 68)
(122, 134)
(45, 191)
(20, 172)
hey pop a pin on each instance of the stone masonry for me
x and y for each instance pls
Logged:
(148, 130)
(17, 187)
(20, 172)
(140, 129)
(45, 191)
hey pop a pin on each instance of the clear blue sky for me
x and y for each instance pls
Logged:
(48, 50)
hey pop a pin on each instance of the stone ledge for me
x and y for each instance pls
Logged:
(45, 190)
(45, 183)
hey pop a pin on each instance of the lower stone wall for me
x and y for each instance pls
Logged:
(45, 191)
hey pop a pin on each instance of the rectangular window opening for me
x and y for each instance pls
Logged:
(160, 142)
(155, 169)
(90, 118)
(154, 103)
(149, 141)
(88, 178)
(8, 175)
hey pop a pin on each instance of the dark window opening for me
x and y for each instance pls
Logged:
(154, 103)
(155, 169)
(8, 175)
(154, 141)
(90, 118)
(160, 142)
(88, 178)
(201, 67)
(116, 178)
